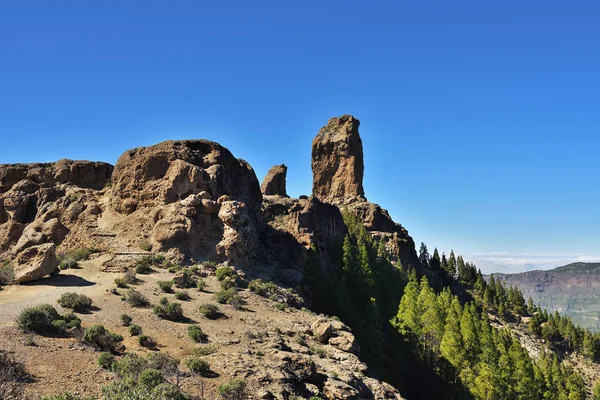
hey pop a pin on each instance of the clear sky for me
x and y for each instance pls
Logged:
(480, 120)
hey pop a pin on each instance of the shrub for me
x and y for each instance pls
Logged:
(236, 302)
(7, 274)
(166, 286)
(163, 301)
(76, 302)
(262, 289)
(130, 366)
(204, 350)
(201, 285)
(209, 265)
(68, 263)
(318, 351)
(146, 341)
(225, 272)
(120, 282)
(159, 260)
(150, 378)
(146, 245)
(66, 396)
(106, 360)
(143, 266)
(224, 296)
(233, 390)
(174, 268)
(126, 319)
(183, 296)
(210, 311)
(129, 277)
(198, 366)
(100, 337)
(187, 280)
(136, 299)
(67, 322)
(135, 330)
(37, 318)
(170, 311)
(80, 254)
(195, 333)
(280, 306)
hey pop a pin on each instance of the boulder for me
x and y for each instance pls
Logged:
(338, 390)
(35, 262)
(322, 330)
(274, 182)
(337, 161)
(345, 341)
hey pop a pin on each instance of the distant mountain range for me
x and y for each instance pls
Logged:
(573, 290)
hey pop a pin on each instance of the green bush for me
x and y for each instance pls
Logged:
(195, 333)
(37, 318)
(129, 277)
(130, 366)
(210, 311)
(174, 268)
(198, 366)
(106, 360)
(227, 283)
(136, 299)
(159, 259)
(233, 390)
(126, 319)
(143, 266)
(183, 296)
(204, 350)
(66, 322)
(225, 272)
(100, 337)
(262, 289)
(146, 341)
(280, 306)
(187, 280)
(7, 274)
(170, 311)
(75, 301)
(224, 296)
(135, 330)
(146, 245)
(163, 301)
(120, 282)
(166, 286)
(236, 302)
(150, 378)
(201, 285)
(68, 263)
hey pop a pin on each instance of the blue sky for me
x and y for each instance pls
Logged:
(480, 121)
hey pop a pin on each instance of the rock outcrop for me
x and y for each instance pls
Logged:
(194, 197)
(87, 174)
(35, 262)
(274, 182)
(337, 161)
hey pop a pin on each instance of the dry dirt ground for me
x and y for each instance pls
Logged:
(59, 364)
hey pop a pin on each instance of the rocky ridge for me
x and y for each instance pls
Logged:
(194, 201)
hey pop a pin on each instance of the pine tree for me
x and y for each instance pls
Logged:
(461, 271)
(451, 265)
(432, 323)
(596, 391)
(469, 333)
(408, 318)
(435, 262)
(350, 262)
(424, 256)
(530, 306)
(480, 284)
(452, 347)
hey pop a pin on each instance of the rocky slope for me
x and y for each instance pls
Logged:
(572, 290)
(193, 201)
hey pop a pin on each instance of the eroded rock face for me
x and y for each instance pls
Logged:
(35, 262)
(337, 161)
(274, 182)
(193, 196)
(88, 174)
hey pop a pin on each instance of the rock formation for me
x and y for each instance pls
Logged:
(337, 161)
(274, 182)
(193, 197)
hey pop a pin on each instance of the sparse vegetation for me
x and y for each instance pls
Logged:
(12, 372)
(120, 282)
(201, 285)
(146, 245)
(225, 272)
(126, 319)
(165, 286)
(197, 366)
(195, 333)
(280, 306)
(135, 330)
(204, 350)
(170, 311)
(264, 289)
(318, 351)
(186, 280)
(182, 296)
(210, 311)
(233, 390)
(129, 277)
(67, 396)
(106, 360)
(7, 274)
(136, 299)
(100, 337)
(75, 301)
(44, 318)
(225, 296)
(143, 266)
(146, 341)
(68, 263)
